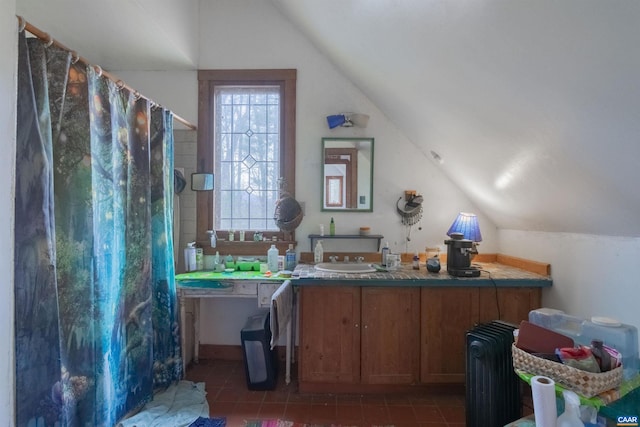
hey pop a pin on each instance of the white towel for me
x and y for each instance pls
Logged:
(177, 406)
(281, 308)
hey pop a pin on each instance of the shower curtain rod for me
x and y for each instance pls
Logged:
(24, 25)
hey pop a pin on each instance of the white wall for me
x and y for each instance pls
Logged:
(272, 42)
(225, 42)
(592, 275)
(175, 90)
(8, 67)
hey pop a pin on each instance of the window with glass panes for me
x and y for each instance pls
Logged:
(246, 137)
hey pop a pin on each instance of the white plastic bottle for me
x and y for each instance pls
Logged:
(272, 258)
(318, 253)
(190, 257)
(571, 415)
(385, 252)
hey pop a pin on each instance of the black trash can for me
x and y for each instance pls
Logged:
(260, 362)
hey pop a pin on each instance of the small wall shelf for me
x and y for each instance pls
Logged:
(314, 237)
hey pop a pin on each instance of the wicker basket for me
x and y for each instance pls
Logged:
(288, 213)
(582, 382)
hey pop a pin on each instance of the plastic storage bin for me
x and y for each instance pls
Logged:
(612, 333)
(260, 362)
(558, 321)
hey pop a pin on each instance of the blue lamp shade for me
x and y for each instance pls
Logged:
(467, 225)
(336, 120)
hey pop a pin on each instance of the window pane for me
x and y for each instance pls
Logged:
(273, 118)
(273, 147)
(247, 156)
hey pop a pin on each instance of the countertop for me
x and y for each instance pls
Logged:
(491, 274)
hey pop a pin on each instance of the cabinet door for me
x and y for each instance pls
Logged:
(446, 315)
(509, 304)
(390, 334)
(329, 334)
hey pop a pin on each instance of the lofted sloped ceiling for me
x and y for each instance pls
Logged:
(533, 105)
(122, 34)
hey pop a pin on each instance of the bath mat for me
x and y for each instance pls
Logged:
(284, 423)
(209, 422)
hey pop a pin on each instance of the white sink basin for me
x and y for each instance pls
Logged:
(338, 267)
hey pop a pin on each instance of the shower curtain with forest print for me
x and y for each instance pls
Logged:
(96, 319)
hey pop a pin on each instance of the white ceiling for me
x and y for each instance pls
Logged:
(122, 34)
(533, 105)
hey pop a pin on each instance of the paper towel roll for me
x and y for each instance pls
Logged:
(543, 390)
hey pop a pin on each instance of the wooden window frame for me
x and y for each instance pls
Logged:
(328, 180)
(207, 82)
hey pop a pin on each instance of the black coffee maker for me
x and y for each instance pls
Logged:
(459, 254)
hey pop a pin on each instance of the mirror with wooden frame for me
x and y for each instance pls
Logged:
(347, 174)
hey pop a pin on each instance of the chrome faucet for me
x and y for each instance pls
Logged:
(333, 258)
(359, 259)
(346, 258)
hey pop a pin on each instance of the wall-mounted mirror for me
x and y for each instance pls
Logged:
(347, 174)
(201, 181)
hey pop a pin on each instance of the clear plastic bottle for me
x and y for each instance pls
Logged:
(416, 261)
(272, 258)
(290, 258)
(571, 415)
(318, 253)
(385, 252)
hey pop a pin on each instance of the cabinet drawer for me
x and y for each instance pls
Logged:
(245, 288)
(265, 291)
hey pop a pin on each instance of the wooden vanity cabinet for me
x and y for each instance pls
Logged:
(390, 353)
(448, 313)
(359, 335)
(329, 334)
(514, 303)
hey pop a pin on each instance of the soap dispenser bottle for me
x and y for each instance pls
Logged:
(571, 415)
(318, 253)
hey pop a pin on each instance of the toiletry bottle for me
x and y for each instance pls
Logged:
(199, 259)
(571, 415)
(190, 257)
(216, 260)
(385, 252)
(213, 237)
(290, 258)
(332, 228)
(272, 258)
(322, 229)
(318, 253)
(231, 235)
(416, 261)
